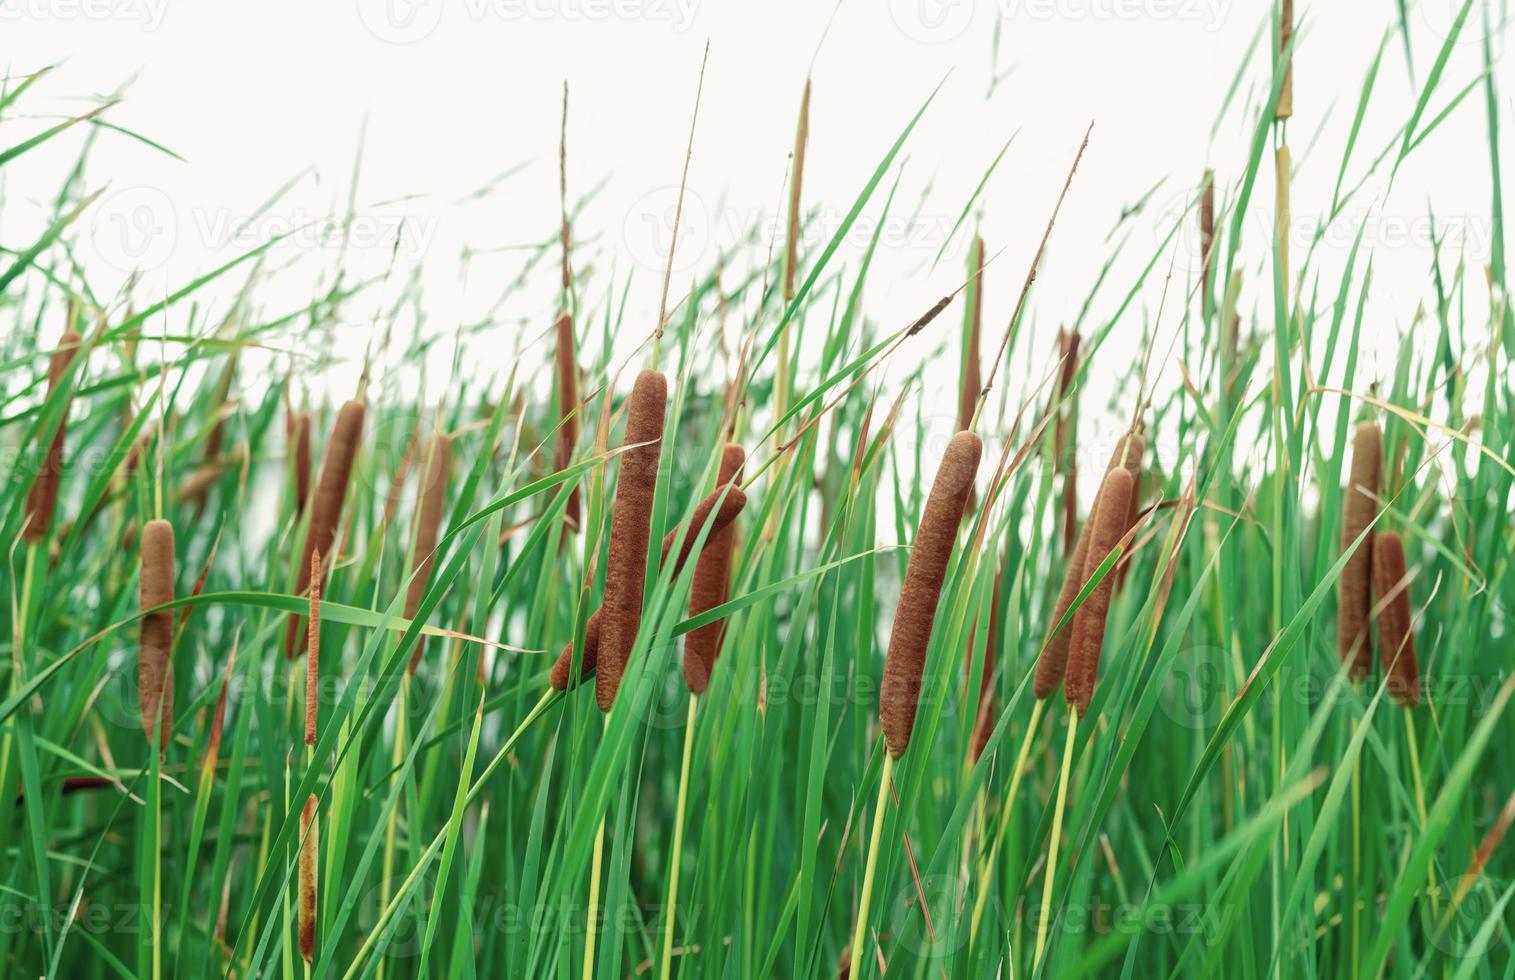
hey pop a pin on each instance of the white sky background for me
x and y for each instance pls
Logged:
(454, 92)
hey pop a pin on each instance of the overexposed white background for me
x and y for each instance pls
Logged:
(439, 120)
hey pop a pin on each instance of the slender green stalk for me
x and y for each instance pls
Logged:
(860, 931)
(671, 913)
(1050, 873)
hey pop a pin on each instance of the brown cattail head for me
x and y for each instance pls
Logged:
(630, 528)
(568, 402)
(309, 859)
(155, 671)
(899, 694)
(313, 651)
(42, 500)
(983, 722)
(726, 502)
(712, 585)
(562, 671)
(428, 523)
(1285, 34)
(972, 378)
(301, 451)
(1354, 601)
(1396, 640)
(326, 507)
(1088, 636)
(1053, 662)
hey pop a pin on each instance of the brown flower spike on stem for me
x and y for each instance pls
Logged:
(1396, 640)
(155, 671)
(1088, 634)
(1053, 662)
(42, 500)
(730, 506)
(1361, 504)
(428, 523)
(712, 584)
(313, 651)
(326, 508)
(899, 693)
(309, 854)
(630, 527)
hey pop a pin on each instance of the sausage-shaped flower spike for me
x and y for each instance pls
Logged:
(1109, 525)
(899, 694)
(326, 506)
(712, 584)
(1354, 601)
(155, 671)
(1396, 640)
(630, 528)
(1053, 662)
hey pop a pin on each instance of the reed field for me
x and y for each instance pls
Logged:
(712, 645)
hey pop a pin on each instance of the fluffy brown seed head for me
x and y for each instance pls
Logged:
(302, 461)
(562, 671)
(428, 523)
(309, 858)
(1352, 589)
(1088, 637)
(899, 694)
(313, 651)
(326, 506)
(630, 527)
(155, 672)
(1396, 640)
(712, 585)
(568, 403)
(1053, 662)
(42, 500)
(726, 502)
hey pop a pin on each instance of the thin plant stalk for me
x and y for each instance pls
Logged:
(1057, 829)
(860, 931)
(678, 839)
(987, 869)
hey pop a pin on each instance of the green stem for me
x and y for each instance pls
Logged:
(861, 930)
(678, 841)
(1057, 830)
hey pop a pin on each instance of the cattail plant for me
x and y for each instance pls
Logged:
(1282, 216)
(155, 671)
(1065, 432)
(1285, 108)
(309, 858)
(1109, 523)
(326, 507)
(568, 397)
(313, 651)
(899, 693)
(720, 509)
(1396, 640)
(1052, 664)
(42, 501)
(712, 584)
(630, 527)
(1354, 601)
(301, 450)
(428, 523)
